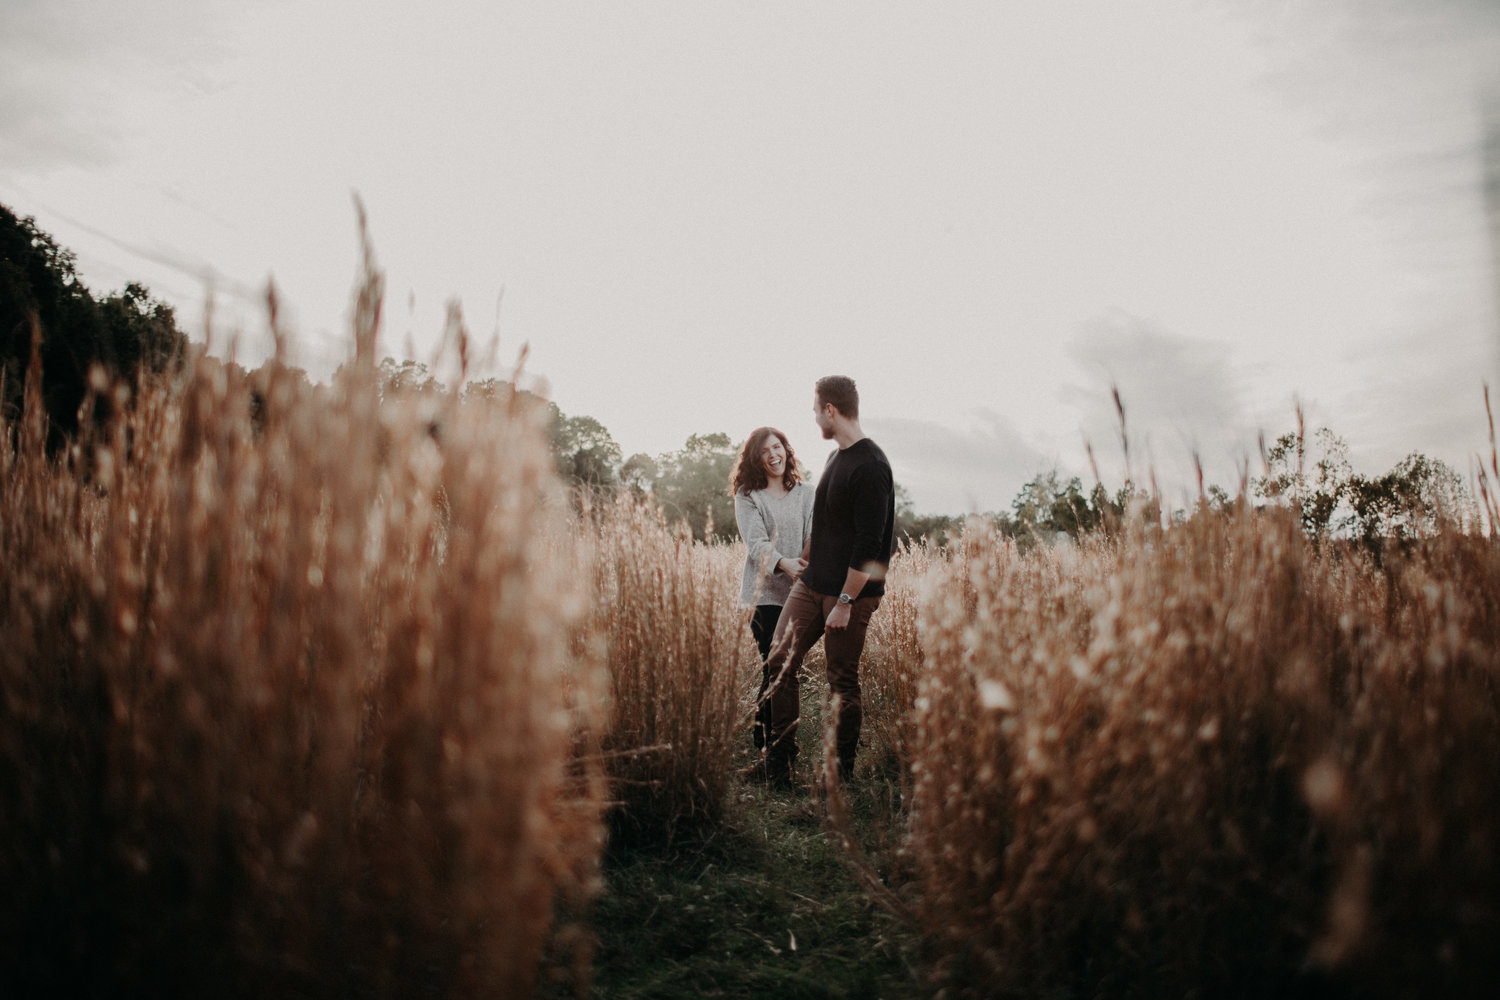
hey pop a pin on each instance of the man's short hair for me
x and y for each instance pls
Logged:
(840, 391)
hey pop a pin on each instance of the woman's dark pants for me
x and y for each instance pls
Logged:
(763, 627)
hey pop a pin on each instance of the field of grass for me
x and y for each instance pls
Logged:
(318, 691)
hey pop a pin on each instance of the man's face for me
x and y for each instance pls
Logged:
(821, 417)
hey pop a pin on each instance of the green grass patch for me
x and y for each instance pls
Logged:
(767, 905)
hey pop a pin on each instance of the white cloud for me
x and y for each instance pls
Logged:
(76, 74)
(1182, 397)
(695, 210)
(1419, 393)
(958, 469)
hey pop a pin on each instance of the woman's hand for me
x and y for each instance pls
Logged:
(792, 567)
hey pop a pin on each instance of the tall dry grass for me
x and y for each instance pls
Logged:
(293, 704)
(892, 666)
(1210, 761)
(305, 692)
(667, 610)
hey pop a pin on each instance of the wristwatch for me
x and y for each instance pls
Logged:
(845, 599)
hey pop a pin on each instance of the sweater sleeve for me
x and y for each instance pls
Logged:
(874, 491)
(747, 516)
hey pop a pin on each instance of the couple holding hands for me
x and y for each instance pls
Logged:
(815, 568)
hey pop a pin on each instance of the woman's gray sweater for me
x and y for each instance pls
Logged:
(774, 528)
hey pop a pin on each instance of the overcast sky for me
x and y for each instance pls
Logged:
(987, 213)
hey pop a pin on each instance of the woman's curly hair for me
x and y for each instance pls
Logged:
(750, 472)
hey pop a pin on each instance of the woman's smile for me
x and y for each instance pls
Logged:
(774, 458)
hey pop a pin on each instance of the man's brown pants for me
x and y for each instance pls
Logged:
(802, 623)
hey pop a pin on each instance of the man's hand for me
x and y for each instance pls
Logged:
(854, 584)
(792, 567)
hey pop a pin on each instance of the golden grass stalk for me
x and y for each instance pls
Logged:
(1211, 760)
(677, 646)
(892, 666)
(291, 704)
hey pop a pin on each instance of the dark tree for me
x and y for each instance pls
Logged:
(692, 485)
(43, 302)
(586, 452)
(1415, 498)
(1048, 508)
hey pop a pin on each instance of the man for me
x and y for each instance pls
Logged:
(847, 555)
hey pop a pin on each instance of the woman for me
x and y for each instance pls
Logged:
(774, 510)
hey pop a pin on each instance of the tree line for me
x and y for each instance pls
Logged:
(1313, 476)
(46, 310)
(690, 484)
(47, 313)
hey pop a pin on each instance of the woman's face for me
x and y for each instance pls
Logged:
(773, 457)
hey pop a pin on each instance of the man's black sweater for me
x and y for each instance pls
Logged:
(854, 520)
